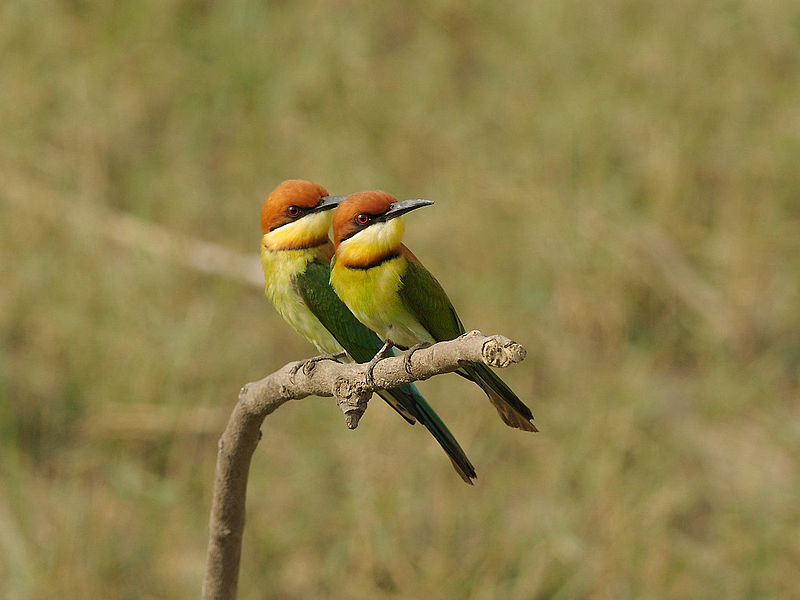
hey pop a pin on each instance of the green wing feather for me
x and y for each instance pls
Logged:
(425, 298)
(361, 343)
(313, 284)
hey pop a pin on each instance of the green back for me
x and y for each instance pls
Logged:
(360, 342)
(427, 301)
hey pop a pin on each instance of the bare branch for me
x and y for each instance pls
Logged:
(346, 382)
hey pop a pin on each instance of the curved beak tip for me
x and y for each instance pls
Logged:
(403, 206)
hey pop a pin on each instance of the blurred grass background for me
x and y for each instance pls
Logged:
(616, 186)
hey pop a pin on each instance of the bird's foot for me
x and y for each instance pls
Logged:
(387, 345)
(469, 334)
(308, 365)
(407, 356)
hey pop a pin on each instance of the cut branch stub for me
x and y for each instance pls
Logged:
(352, 398)
(499, 351)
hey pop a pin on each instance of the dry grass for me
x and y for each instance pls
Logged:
(617, 184)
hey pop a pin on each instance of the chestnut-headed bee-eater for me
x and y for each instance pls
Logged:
(296, 254)
(388, 289)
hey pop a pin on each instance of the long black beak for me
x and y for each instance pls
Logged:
(403, 206)
(327, 203)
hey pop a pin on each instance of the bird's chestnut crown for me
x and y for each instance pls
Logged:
(289, 201)
(358, 211)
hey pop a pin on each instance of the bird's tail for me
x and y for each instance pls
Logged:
(406, 399)
(512, 410)
(395, 402)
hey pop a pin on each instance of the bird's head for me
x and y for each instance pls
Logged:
(297, 214)
(365, 225)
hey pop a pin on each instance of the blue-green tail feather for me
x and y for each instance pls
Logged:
(412, 401)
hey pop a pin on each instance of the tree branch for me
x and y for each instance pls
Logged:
(347, 383)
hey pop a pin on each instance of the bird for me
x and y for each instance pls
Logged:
(389, 290)
(295, 255)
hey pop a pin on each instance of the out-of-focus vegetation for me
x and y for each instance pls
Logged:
(617, 186)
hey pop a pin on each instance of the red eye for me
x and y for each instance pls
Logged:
(362, 219)
(292, 211)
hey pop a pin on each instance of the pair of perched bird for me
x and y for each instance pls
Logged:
(365, 289)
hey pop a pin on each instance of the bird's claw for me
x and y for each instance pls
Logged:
(410, 353)
(308, 365)
(469, 334)
(380, 355)
(293, 371)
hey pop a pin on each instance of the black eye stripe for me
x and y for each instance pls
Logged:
(361, 221)
(295, 212)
